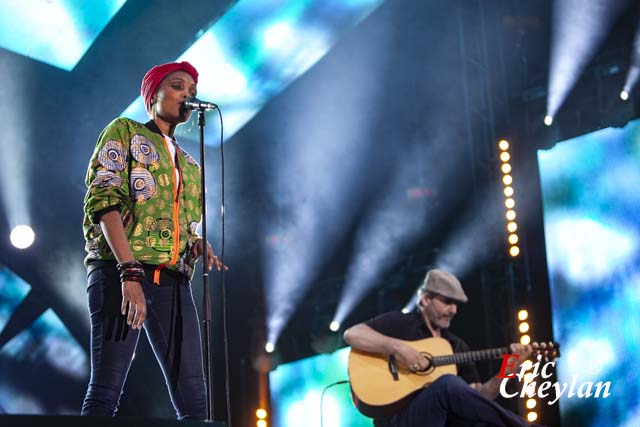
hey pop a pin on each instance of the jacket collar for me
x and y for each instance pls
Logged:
(153, 127)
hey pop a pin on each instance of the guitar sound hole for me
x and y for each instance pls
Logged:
(429, 368)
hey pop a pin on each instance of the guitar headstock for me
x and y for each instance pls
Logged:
(546, 350)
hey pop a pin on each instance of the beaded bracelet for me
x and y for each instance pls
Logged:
(129, 264)
(131, 271)
(131, 277)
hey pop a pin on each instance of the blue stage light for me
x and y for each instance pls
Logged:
(58, 33)
(256, 50)
(591, 206)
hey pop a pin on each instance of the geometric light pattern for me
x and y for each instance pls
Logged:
(255, 51)
(35, 352)
(296, 388)
(58, 33)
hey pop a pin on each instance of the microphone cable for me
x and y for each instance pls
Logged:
(322, 396)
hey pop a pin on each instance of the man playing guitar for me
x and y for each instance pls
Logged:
(451, 400)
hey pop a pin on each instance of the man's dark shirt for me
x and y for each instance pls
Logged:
(411, 327)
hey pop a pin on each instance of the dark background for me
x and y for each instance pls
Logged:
(450, 76)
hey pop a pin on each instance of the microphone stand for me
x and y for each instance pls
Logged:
(206, 298)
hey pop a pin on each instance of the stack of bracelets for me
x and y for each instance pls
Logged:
(131, 271)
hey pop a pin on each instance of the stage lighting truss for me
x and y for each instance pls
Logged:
(509, 198)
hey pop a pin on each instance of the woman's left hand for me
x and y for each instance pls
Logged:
(196, 251)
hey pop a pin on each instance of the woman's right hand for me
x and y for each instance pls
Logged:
(134, 304)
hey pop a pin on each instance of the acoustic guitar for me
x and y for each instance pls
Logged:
(381, 387)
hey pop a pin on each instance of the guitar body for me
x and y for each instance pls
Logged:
(375, 391)
(381, 388)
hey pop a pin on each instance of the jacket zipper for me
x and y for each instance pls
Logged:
(176, 204)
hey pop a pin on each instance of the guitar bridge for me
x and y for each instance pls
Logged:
(393, 367)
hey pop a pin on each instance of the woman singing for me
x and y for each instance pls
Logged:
(141, 212)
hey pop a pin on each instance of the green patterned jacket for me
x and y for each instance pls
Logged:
(131, 171)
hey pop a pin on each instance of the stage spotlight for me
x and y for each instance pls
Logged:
(548, 120)
(513, 239)
(15, 186)
(22, 236)
(633, 74)
(261, 423)
(503, 145)
(315, 220)
(392, 224)
(575, 38)
(261, 414)
(523, 328)
(532, 416)
(269, 347)
(514, 251)
(512, 226)
(531, 403)
(510, 214)
(523, 314)
(334, 326)
(505, 157)
(507, 180)
(624, 95)
(525, 340)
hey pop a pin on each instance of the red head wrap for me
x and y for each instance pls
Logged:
(154, 77)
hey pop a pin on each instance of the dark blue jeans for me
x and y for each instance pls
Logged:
(172, 329)
(449, 401)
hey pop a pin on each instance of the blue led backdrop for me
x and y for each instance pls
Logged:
(256, 50)
(58, 33)
(296, 389)
(592, 226)
(43, 354)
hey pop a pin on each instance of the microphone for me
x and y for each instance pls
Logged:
(197, 104)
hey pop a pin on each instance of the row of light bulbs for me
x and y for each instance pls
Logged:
(525, 339)
(509, 199)
(261, 417)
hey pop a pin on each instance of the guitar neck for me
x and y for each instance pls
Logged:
(469, 356)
